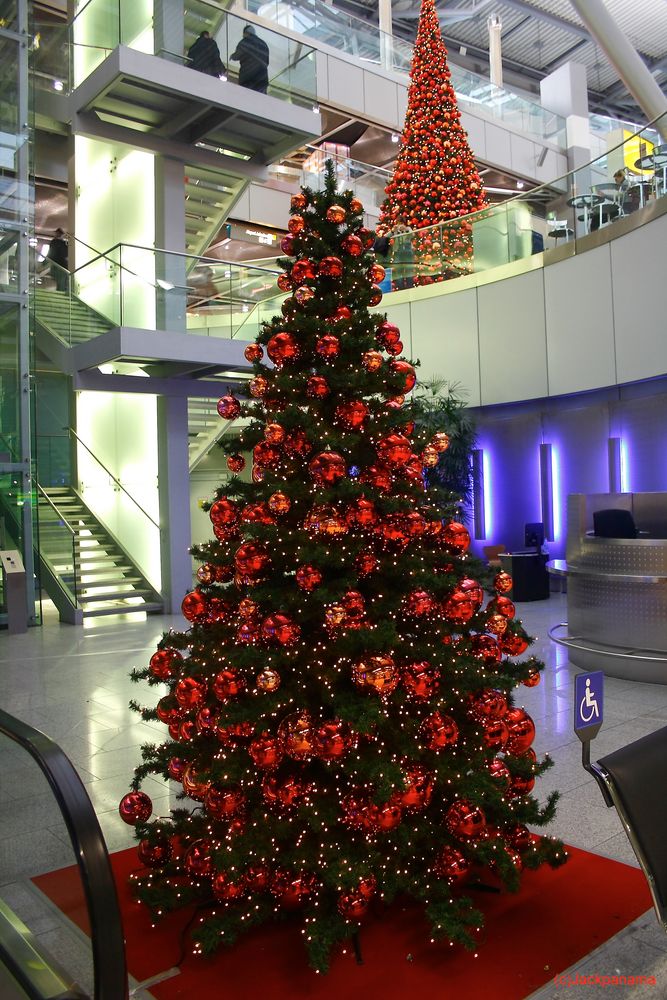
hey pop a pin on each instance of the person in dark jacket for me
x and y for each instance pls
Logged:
(58, 254)
(253, 55)
(204, 55)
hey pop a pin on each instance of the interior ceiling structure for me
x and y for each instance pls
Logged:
(538, 36)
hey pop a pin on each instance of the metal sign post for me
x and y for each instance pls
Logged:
(588, 710)
(13, 574)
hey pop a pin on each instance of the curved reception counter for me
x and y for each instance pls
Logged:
(617, 587)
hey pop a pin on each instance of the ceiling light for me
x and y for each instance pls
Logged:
(394, 136)
(520, 185)
(316, 109)
(58, 85)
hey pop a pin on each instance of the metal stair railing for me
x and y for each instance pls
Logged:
(74, 590)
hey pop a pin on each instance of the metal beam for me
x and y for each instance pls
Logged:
(542, 15)
(566, 56)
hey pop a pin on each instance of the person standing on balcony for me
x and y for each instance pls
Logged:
(204, 56)
(253, 56)
(58, 255)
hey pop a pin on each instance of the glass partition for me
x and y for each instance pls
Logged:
(611, 188)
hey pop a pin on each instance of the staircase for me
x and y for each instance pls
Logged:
(209, 197)
(68, 318)
(102, 580)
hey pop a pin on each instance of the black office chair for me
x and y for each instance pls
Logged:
(633, 780)
(614, 524)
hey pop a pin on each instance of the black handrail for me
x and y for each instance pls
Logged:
(108, 945)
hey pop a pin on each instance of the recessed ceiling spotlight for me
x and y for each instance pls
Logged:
(394, 137)
(520, 185)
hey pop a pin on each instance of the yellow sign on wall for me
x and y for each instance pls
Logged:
(635, 147)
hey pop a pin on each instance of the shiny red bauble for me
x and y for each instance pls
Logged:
(317, 387)
(502, 583)
(372, 360)
(308, 577)
(377, 673)
(464, 820)
(298, 201)
(168, 710)
(257, 878)
(228, 407)
(284, 792)
(499, 771)
(283, 348)
(362, 512)
(365, 563)
(388, 333)
(418, 788)
(135, 807)
(394, 450)
(336, 213)
(265, 454)
(292, 891)
(194, 606)
(419, 604)
(352, 245)
(458, 608)
(375, 297)
(352, 905)
(296, 224)
(331, 267)
(519, 837)
(341, 313)
(439, 731)
(489, 704)
(253, 353)
(486, 649)
(520, 785)
(227, 889)
(284, 282)
(328, 346)
(165, 663)
(176, 768)
(473, 591)
(494, 734)
(258, 386)
(501, 605)
(388, 816)
(376, 273)
(190, 692)
(224, 512)
(251, 560)
(420, 680)
(266, 751)
(378, 476)
(207, 720)
(224, 801)
(351, 415)
(404, 373)
(327, 468)
(456, 537)
(197, 861)
(298, 735)
(281, 629)
(333, 740)
(193, 786)
(513, 645)
(451, 865)
(521, 730)
(302, 270)
(287, 244)
(236, 463)
(156, 854)
(228, 684)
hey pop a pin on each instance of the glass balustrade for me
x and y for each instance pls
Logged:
(101, 25)
(605, 191)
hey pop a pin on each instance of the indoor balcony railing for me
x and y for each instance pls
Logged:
(51, 820)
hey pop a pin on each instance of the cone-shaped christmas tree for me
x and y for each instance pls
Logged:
(435, 179)
(339, 714)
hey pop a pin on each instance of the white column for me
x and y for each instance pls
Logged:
(174, 487)
(624, 58)
(386, 31)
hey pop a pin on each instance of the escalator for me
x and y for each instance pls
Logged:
(32, 930)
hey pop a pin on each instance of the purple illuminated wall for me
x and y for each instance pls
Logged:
(578, 428)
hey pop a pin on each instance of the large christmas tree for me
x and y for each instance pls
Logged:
(340, 716)
(435, 179)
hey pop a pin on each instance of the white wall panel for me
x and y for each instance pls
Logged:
(321, 69)
(346, 84)
(640, 301)
(444, 338)
(580, 322)
(474, 126)
(267, 206)
(380, 100)
(511, 339)
(524, 155)
(498, 149)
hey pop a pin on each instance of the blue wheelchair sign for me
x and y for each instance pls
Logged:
(588, 704)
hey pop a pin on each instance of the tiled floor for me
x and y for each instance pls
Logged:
(73, 684)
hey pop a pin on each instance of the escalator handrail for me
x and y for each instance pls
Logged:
(107, 941)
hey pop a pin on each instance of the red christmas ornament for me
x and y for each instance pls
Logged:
(328, 346)
(376, 673)
(207, 720)
(356, 206)
(197, 861)
(292, 891)
(394, 450)
(168, 710)
(389, 816)
(440, 441)
(333, 740)
(420, 680)
(265, 454)
(372, 360)
(473, 591)
(281, 629)
(176, 768)
(532, 680)
(451, 865)
(327, 468)
(485, 648)
(351, 415)
(499, 771)
(512, 644)
(279, 503)
(336, 213)
(521, 785)
(266, 751)
(287, 244)
(165, 663)
(352, 906)
(418, 788)
(274, 433)
(251, 560)
(317, 387)
(365, 563)
(284, 282)
(224, 513)
(405, 372)
(228, 407)
(439, 731)
(228, 890)
(308, 577)
(253, 353)
(458, 608)
(331, 267)
(353, 603)
(298, 201)
(296, 224)
(456, 537)
(494, 734)
(298, 735)
(378, 476)
(419, 604)
(257, 878)
(303, 294)
(362, 512)
(352, 245)
(464, 820)
(376, 273)
(228, 684)
(296, 443)
(489, 704)
(206, 573)
(302, 270)
(503, 583)
(236, 463)
(520, 838)
(194, 606)
(193, 786)
(258, 385)
(496, 624)
(222, 802)
(135, 807)
(156, 854)
(388, 333)
(282, 348)
(341, 313)
(268, 680)
(375, 297)
(190, 692)
(521, 730)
